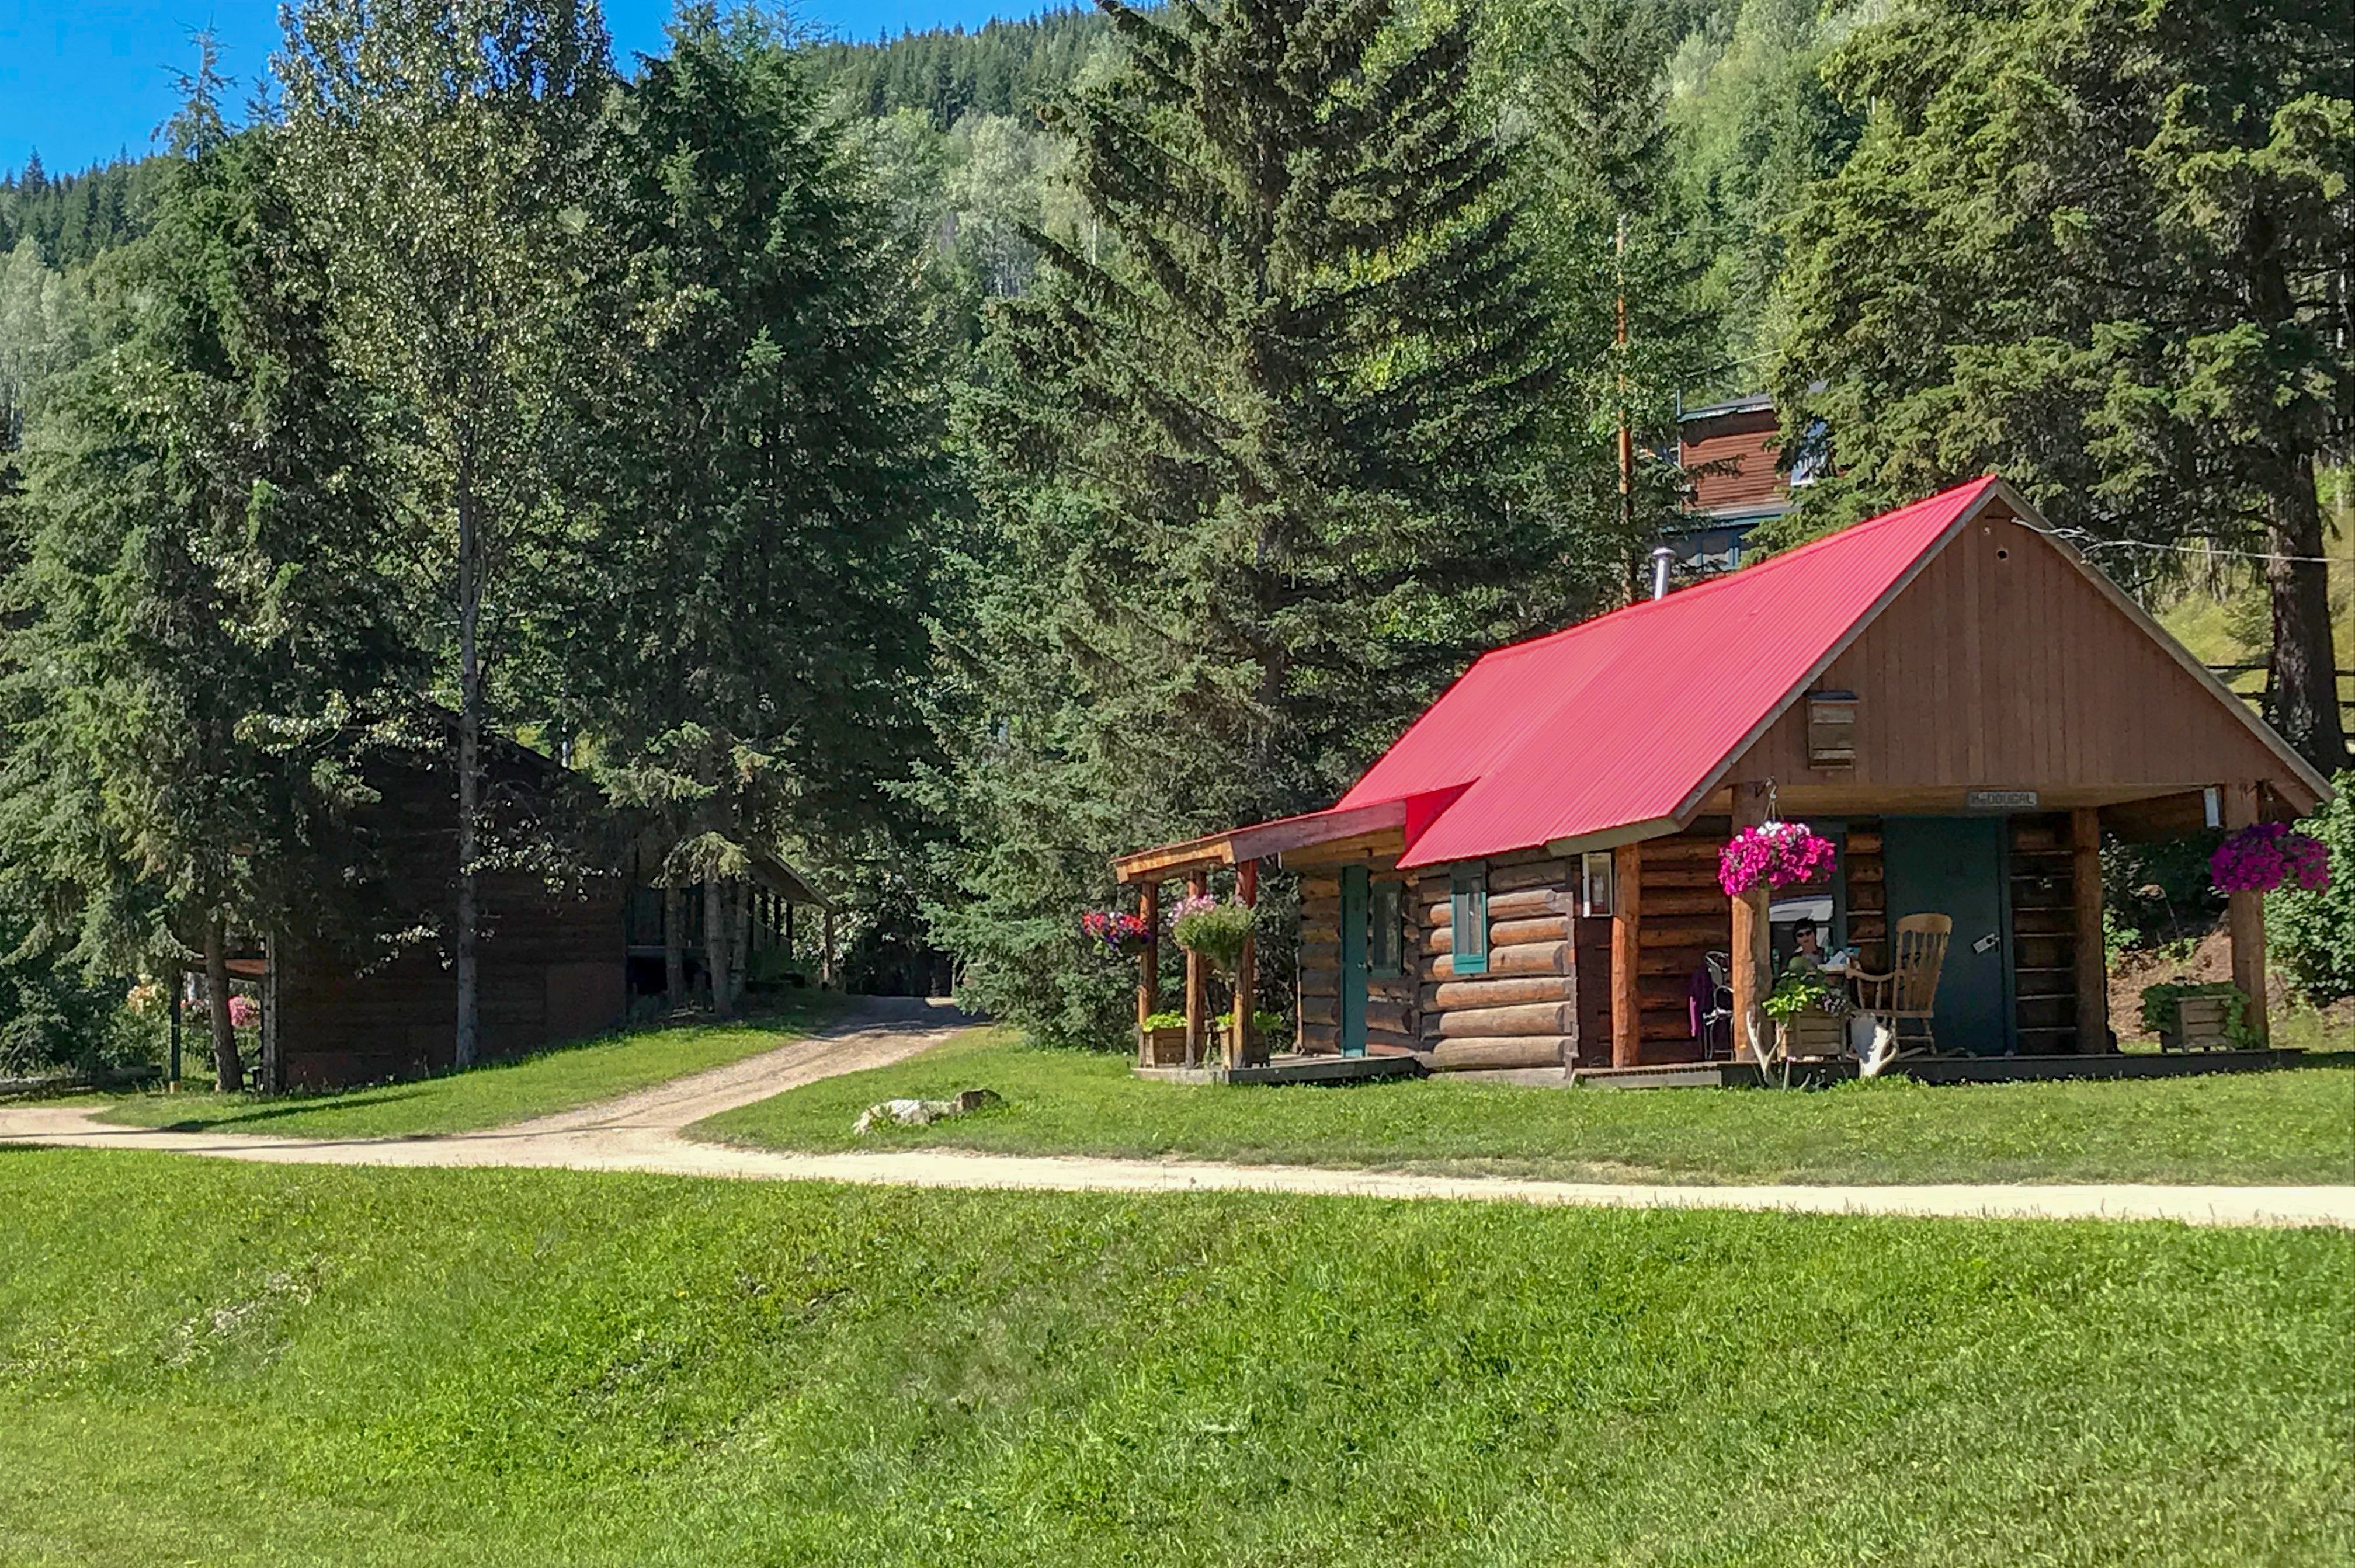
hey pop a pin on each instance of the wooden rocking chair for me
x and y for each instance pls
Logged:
(1908, 994)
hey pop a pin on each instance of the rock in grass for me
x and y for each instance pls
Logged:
(923, 1113)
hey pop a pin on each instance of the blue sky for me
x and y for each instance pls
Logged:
(81, 80)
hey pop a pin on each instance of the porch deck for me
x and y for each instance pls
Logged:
(1945, 1069)
(1293, 1067)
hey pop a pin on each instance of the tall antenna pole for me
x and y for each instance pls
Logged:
(1627, 434)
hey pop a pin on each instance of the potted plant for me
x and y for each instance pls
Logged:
(1161, 1040)
(1214, 928)
(1774, 855)
(1809, 1008)
(2208, 1016)
(2264, 858)
(1121, 935)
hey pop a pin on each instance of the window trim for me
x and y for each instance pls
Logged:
(1386, 930)
(1468, 900)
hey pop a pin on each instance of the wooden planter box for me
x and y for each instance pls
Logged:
(1161, 1047)
(2200, 1025)
(1814, 1033)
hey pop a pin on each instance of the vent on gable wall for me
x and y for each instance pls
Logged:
(1832, 728)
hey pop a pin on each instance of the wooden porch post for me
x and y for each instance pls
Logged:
(2092, 958)
(2244, 914)
(1246, 970)
(1148, 971)
(1626, 948)
(1753, 954)
(1198, 980)
(826, 958)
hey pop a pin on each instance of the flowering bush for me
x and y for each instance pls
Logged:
(1123, 934)
(244, 1012)
(2260, 859)
(1775, 853)
(1215, 928)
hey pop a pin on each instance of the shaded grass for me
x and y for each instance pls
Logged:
(2287, 1127)
(493, 1093)
(238, 1364)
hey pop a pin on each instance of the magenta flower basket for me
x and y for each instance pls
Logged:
(1122, 935)
(1775, 854)
(2268, 856)
(244, 1012)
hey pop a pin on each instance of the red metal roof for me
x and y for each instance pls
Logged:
(1623, 719)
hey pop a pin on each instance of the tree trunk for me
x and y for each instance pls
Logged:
(674, 947)
(2302, 676)
(226, 1076)
(716, 945)
(740, 931)
(470, 742)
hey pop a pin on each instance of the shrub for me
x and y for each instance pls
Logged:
(2311, 935)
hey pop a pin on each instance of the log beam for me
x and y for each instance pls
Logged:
(1197, 983)
(2092, 959)
(1627, 953)
(1753, 950)
(2244, 915)
(1148, 970)
(1248, 1050)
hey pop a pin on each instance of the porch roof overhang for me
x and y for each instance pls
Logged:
(1258, 841)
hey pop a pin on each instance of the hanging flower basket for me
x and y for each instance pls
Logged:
(1214, 928)
(1774, 854)
(2268, 856)
(1123, 934)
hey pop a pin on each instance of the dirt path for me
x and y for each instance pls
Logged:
(642, 1132)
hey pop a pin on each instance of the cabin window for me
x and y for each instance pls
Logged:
(1594, 882)
(1468, 902)
(1386, 939)
(1832, 728)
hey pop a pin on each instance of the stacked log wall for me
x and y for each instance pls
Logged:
(1528, 1009)
(1393, 1002)
(1685, 917)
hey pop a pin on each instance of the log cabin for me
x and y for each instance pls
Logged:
(1956, 698)
(361, 990)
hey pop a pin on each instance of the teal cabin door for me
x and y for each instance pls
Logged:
(1353, 960)
(1955, 865)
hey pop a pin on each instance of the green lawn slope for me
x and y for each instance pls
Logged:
(2289, 1127)
(209, 1362)
(494, 1093)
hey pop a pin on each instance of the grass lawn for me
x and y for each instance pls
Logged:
(492, 1094)
(2287, 1127)
(228, 1364)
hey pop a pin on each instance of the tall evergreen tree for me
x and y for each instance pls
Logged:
(2102, 247)
(199, 614)
(1262, 468)
(444, 152)
(1585, 80)
(755, 601)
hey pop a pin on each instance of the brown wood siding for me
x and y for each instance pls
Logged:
(2001, 667)
(1392, 1006)
(1685, 916)
(551, 970)
(1744, 445)
(351, 1008)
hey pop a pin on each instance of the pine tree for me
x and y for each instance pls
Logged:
(755, 601)
(1587, 78)
(2100, 248)
(443, 151)
(198, 618)
(1263, 467)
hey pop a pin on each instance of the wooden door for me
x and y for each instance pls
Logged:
(1353, 960)
(1955, 866)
